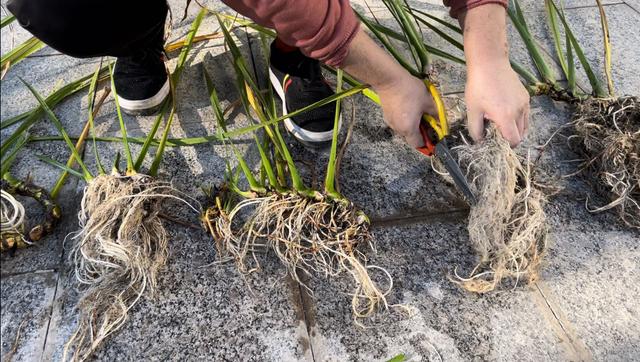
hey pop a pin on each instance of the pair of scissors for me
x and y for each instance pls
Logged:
(434, 134)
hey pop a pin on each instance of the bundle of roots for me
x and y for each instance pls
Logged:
(507, 225)
(12, 223)
(118, 252)
(608, 134)
(315, 237)
(12, 234)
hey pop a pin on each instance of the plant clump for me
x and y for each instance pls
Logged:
(318, 237)
(507, 227)
(13, 235)
(608, 136)
(121, 245)
(607, 127)
(118, 252)
(315, 233)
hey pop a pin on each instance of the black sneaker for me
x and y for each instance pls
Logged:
(141, 80)
(298, 81)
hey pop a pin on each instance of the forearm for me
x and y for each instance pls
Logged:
(485, 36)
(370, 64)
(404, 98)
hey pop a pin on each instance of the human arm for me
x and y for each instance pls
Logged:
(329, 31)
(403, 97)
(493, 90)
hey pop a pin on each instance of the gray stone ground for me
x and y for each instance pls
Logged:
(583, 308)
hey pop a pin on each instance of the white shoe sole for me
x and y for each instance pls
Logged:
(139, 106)
(301, 134)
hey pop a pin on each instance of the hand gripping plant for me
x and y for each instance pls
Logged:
(313, 232)
(122, 244)
(507, 224)
(606, 128)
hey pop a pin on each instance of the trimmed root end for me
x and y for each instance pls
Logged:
(507, 227)
(14, 216)
(314, 237)
(608, 135)
(118, 252)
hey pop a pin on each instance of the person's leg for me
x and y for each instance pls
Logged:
(129, 30)
(299, 82)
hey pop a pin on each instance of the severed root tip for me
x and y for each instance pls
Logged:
(118, 252)
(219, 198)
(608, 135)
(507, 227)
(13, 235)
(309, 236)
(12, 223)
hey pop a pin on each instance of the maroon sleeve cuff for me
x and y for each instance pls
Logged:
(321, 29)
(336, 51)
(460, 6)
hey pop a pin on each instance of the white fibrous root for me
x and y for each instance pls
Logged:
(507, 227)
(309, 236)
(13, 218)
(117, 253)
(608, 135)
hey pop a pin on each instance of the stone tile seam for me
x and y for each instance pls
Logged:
(424, 217)
(73, 187)
(305, 312)
(50, 316)
(59, 266)
(632, 7)
(579, 349)
(35, 271)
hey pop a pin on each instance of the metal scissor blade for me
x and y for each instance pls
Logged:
(443, 153)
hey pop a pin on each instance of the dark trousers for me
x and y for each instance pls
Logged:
(91, 28)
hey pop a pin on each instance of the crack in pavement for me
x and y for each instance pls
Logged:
(426, 216)
(50, 316)
(304, 314)
(574, 347)
(70, 188)
(36, 271)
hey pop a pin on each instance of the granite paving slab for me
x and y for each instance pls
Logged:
(591, 278)
(444, 322)
(635, 4)
(582, 308)
(26, 308)
(201, 311)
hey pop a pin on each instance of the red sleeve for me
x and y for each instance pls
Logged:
(322, 29)
(459, 6)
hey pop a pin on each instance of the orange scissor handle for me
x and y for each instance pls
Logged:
(429, 147)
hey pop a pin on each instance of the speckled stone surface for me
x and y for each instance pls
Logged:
(444, 322)
(591, 277)
(635, 4)
(26, 306)
(583, 307)
(202, 311)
